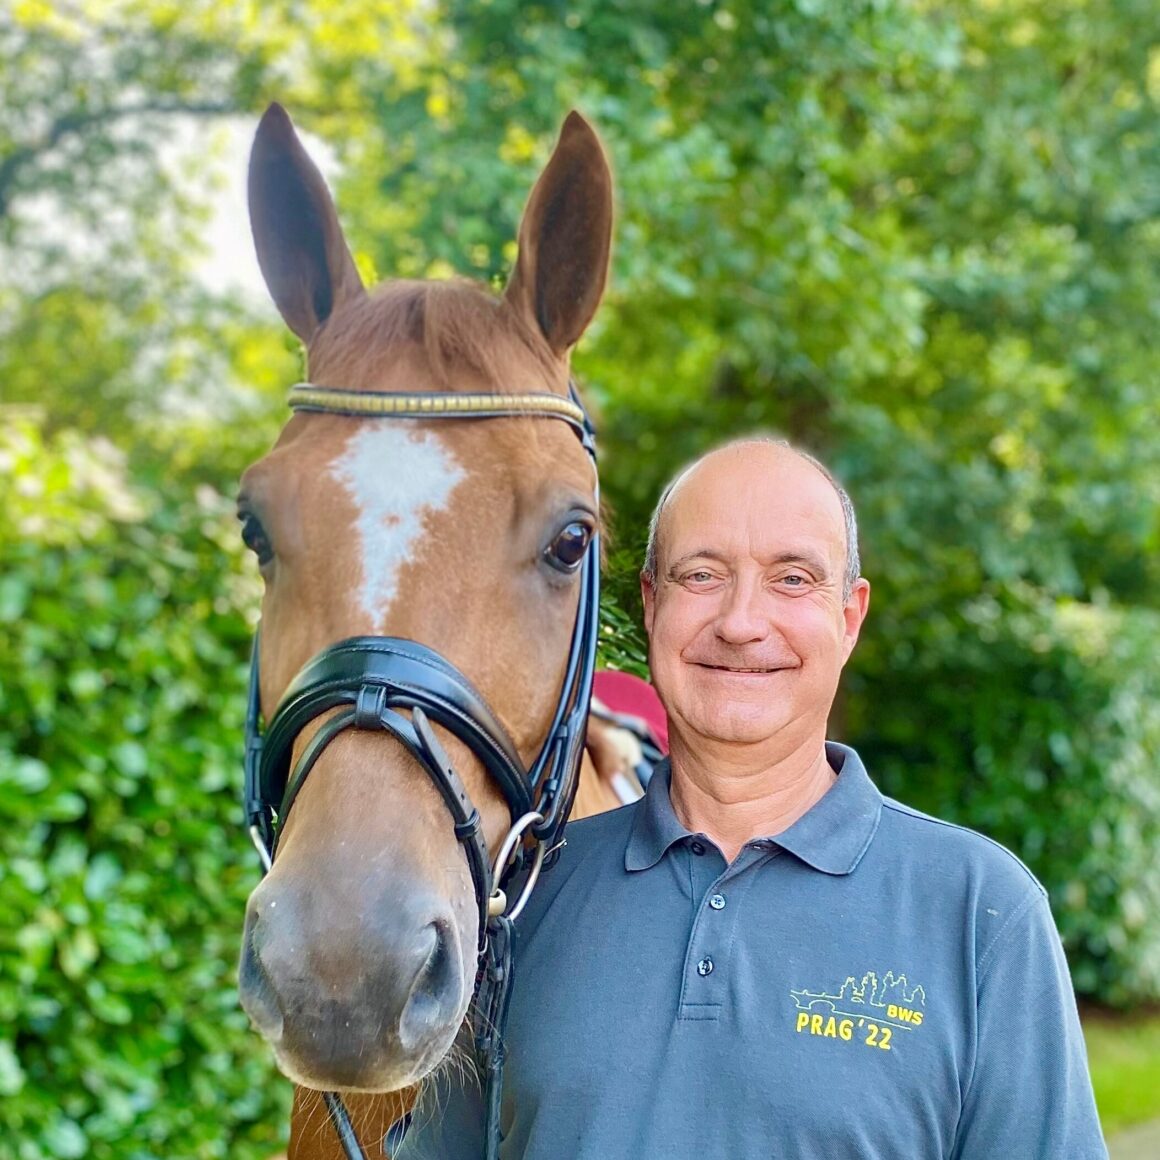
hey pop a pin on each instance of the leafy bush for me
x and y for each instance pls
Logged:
(123, 869)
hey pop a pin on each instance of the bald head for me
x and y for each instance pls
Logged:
(732, 464)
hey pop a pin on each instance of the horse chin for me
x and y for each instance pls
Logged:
(388, 1076)
(343, 1064)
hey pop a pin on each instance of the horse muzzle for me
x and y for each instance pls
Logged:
(369, 1001)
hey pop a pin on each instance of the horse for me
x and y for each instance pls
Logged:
(465, 546)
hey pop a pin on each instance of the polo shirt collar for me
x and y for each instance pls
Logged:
(655, 827)
(836, 831)
(831, 836)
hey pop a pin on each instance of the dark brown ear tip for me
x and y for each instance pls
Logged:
(276, 121)
(574, 123)
(274, 140)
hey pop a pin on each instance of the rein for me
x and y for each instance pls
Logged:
(374, 681)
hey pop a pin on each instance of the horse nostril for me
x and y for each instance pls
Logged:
(259, 999)
(435, 993)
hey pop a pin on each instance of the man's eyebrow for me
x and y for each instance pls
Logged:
(806, 559)
(700, 554)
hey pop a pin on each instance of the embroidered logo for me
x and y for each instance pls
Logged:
(871, 1007)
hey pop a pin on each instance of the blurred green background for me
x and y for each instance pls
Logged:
(920, 239)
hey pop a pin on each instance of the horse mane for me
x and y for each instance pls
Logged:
(458, 324)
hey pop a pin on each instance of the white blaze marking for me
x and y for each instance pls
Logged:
(395, 477)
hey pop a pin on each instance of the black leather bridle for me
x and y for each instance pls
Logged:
(373, 682)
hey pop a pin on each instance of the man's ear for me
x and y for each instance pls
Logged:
(301, 249)
(565, 238)
(854, 613)
(648, 595)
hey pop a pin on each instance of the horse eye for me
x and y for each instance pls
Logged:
(567, 550)
(255, 538)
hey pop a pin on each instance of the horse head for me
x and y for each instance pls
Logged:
(360, 950)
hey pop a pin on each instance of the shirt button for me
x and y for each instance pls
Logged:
(717, 902)
(697, 848)
(705, 967)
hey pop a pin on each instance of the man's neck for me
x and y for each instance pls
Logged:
(735, 797)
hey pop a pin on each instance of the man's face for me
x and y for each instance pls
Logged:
(748, 628)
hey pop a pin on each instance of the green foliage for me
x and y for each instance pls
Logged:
(622, 644)
(919, 239)
(113, 121)
(123, 867)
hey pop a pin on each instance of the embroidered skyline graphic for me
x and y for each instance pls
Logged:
(890, 999)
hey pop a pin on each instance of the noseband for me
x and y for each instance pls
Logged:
(372, 683)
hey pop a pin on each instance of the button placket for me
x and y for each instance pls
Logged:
(702, 985)
(704, 871)
(705, 983)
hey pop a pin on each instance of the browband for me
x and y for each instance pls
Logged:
(430, 405)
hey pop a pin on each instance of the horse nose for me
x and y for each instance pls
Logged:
(345, 999)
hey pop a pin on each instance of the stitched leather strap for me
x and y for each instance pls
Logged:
(411, 676)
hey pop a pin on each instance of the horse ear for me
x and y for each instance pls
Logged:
(301, 250)
(564, 239)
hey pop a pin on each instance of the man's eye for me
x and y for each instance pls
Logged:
(567, 550)
(255, 538)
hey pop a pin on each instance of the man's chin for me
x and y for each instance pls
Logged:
(731, 727)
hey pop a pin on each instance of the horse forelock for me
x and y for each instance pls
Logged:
(467, 334)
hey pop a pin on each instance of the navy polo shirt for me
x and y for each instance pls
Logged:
(871, 983)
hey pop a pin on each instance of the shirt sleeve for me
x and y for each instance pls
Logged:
(448, 1121)
(1030, 1094)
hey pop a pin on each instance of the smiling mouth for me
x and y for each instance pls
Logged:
(732, 669)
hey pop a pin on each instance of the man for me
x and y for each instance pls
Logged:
(765, 957)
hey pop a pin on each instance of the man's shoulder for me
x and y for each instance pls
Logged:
(597, 830)
(977, 855)
(591, 862)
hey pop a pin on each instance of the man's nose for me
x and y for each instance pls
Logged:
(745, 614)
